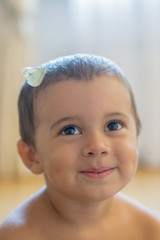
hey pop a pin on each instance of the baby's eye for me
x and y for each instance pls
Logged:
(113, 126)
(70, 130)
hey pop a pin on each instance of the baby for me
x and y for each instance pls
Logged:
(79, 127)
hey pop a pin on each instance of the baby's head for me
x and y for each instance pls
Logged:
(80, 67)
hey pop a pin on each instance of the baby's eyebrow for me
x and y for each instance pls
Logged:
(114, 114)
(62, 120)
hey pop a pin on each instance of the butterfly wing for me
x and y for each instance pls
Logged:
(34, 76)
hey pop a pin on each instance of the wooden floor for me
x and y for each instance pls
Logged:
(145, 188)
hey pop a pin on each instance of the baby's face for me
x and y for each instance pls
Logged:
(86, 139)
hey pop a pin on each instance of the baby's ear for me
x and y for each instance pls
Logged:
(29, 157)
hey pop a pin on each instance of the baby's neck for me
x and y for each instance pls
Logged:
(79, 214)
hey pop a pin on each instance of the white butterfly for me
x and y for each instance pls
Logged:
(34, 75)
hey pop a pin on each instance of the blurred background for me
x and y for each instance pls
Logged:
(34, 31)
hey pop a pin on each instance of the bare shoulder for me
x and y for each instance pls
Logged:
(143, 219)
(10, 231)
(19, 224)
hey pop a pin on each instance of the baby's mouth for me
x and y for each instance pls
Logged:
(97, 173)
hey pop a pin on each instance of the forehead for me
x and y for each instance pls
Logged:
(78, 97)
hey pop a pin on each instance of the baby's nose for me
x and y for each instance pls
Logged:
(96, 147)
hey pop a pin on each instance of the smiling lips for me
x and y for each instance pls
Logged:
(99, 173)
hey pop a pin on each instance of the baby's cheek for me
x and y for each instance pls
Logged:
(57, 164)
(127, 156)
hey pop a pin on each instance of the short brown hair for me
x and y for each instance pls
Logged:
(78, 67)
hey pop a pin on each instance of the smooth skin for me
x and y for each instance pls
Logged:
(86, 147)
